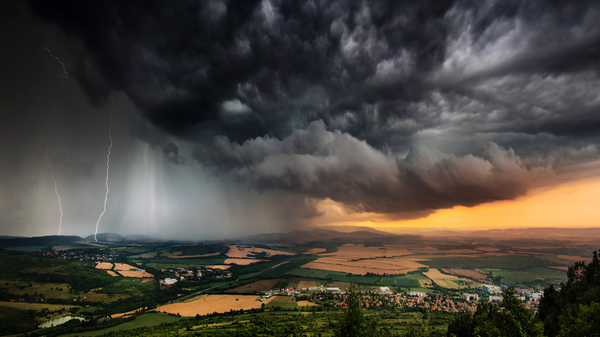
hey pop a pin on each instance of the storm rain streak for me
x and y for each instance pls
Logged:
(107, 170)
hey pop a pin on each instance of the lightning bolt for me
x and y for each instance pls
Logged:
(65, 74)
(107, 170)
(55, 186)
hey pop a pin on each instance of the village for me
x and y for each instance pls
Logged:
(385, 297)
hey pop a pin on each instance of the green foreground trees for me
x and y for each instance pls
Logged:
(574, 311)
(509, 318)
(354, 323)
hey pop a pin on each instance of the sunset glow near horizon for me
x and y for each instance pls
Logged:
(570, 204)
(232, 118)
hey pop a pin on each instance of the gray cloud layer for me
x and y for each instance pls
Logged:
(391, 107)
(324, 164)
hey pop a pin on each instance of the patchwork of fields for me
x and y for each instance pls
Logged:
(452, 268)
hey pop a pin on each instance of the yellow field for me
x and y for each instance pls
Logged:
(243, 252)
(123, 266)
(219, 266)
(112, 273)
(316, 251)
(132, 273)
(213, 303)
(307, 303)
(565, 268)
(399, 265)
(443, 280)
(467, 273)
(104, 265)
(241, 262)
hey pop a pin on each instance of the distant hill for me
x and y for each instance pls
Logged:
(105, 237)
(50, 240)
(351, 229)
(321, 235)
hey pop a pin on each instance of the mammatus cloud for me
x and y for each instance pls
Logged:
(331, 164)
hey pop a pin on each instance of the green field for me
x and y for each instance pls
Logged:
(510, 262)
(513, 277)
(192, 261)
(50, 290)
(27, 249)
(285, 305)
(409, 280)
(310, 273)
(145, 320)
(336, 276)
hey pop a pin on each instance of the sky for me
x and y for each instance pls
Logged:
(230, 118)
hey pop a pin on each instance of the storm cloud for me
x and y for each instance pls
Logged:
(391, 107)
(323, 164)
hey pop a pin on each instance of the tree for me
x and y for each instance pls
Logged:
(354, 323)
(509, 318)
(568, 312)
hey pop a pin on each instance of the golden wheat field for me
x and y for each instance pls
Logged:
(112, 273)
(104, 265)
(123, 266)
(213, 303)
(137, 274)
(242, 262)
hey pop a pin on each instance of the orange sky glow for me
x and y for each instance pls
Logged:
(569, 204)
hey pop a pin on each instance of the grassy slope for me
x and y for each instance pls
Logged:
(146, 320)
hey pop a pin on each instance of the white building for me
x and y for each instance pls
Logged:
(471, 297)
(417, 293)
(491, 289)
(170, 280)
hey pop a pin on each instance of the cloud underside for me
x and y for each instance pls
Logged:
(399, 108)
(322, 164)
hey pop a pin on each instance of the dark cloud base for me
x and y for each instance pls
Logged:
(391, 107)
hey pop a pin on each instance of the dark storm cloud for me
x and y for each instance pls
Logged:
(182, 62)
(171, 150)
(385, 106)
(324, 164)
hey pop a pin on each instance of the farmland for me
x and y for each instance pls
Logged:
(213, 303)
(116, 278)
